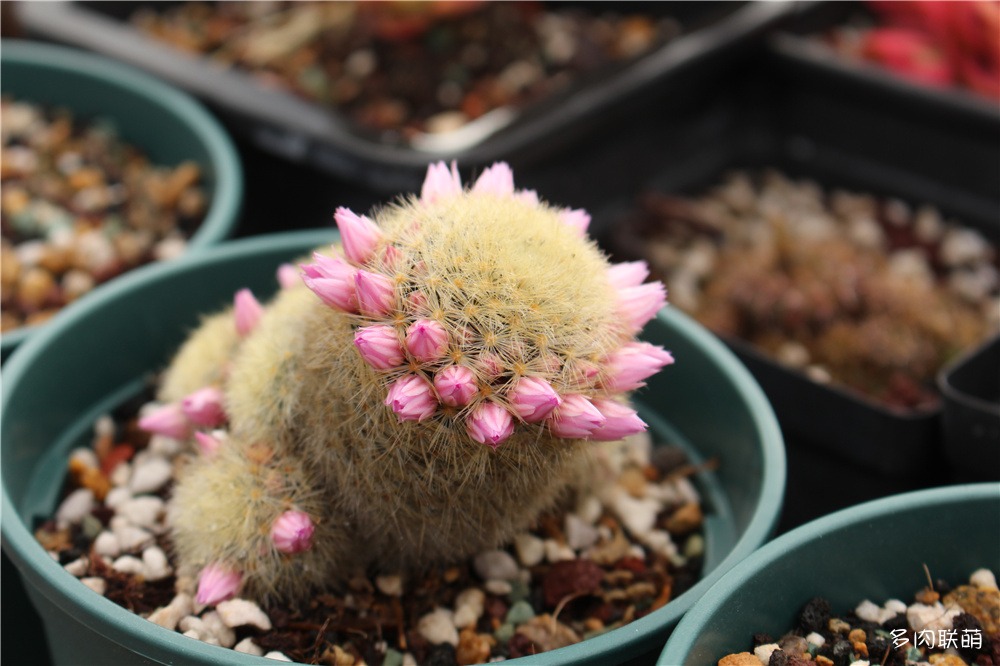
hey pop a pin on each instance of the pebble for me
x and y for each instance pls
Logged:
(501, 588)
(247, 646)
(438, 627)
(473, 648)
(168, 447)
(983, 578)
(131, 538)
(77, 567)
(548, 633)
(127, 564)
(816, 639)
(637, 515)
(685, 519)
(96, 584)
(85, 457)
(168, 616)
(935, 617)
(469, 605)
(121, 475)
(495, 565)
(242, 612)
(558, 552)
(579, 533)
(529, 548)
(157, 567)
(391, 586)
(739, 659)
(77, 504)
(763, 652)
(142, 511)
(590, 509)
(151, 475)
(520, 613)
(117, 496)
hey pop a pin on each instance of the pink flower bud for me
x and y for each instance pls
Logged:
(622, 421)
(456, 385)
(489, 365)
(359, 235)
(416, 302)
(627, 274)
(208, 444)
(628, 366)
(533, 399)
(575, 218)
(575, 418)
(639, 304)
(489, 424)
(392, 257)
(288, 276)
(497, 179)
(529, 197)
(168, 420)
(376, 295)
(379, 346)
(412, 398)
(204, 407)
(427, 340)
(440, 183)
(292, 532)
(216, 584)
(247, 312)
(333, 281)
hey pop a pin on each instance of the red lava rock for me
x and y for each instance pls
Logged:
(633, 564)
(119, 454)
(571, 577)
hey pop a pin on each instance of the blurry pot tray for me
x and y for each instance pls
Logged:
(778, 114)
(970, 388)
(305, 131)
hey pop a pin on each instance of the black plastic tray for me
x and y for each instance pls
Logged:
(302, 131)
(781, 115)
(970, 387)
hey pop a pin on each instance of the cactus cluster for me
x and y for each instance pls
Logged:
(417, 393)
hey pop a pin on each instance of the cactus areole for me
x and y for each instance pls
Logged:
(426, 390)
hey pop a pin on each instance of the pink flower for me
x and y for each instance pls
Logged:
(412, 398)
(216, 584)
(440, 183)
(622, 421)
(204, 407)
(456, 385)
(628, 366)
(627, 274)
(575, 418)
(427, 340)
(489, 365)
(288, 277)
(490, 424)
(292, 532)
(497, 179)
(208, 444)
(533, 399)
(379, 346)
(247, 312)
(359, 235)
(168, 420)
(529, 197)
(575, 218)
(333, 281)
(375, 292)
(639, 304)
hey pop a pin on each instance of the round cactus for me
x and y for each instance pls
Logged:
(429, 392)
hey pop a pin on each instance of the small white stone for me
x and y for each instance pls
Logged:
(72, 509)
(497, 587)
(868, 611)
(151, 475)
(983, 578)
(469, 606)
(121, 475)
(247, 646)
(168, 447)
(895, 606)
(168, 616)
(763, 652)
(529, 548)
(558, 552)
(816, 639)
(142, 511)
(104, 426)
(77, 567)
(132, 538)
(660, 542)
(214, 624)
(156, 563)
(590, 509)
(391, 586)
(193, 624)
(963, 246)
(277, 656)
(921, 617)
(84, 456)
(861, 662)
(127, 564)
(241, 612)
(96, 584)
(409, 659)
(495, 564)
(192, 634)
(689, 494)
(637, 515)
(438, 627)
(116, 497)
(579, 533)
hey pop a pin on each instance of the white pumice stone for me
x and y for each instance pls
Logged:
(590, 509)
(214, 624)
(77, 504)
(247, 646)
(469, 605)
(150, 475)
(390, 585)
(127, 564)
(77, 567)
(579, 533)
(156, 563)
(763, 652)
(816, 639)
(121, 475)
(84, 456)
(241, 612)
(438, 627)
(193, 624)
(558, 552)
(116, 497)
(495, 564)
(104, 426)
(277, 656)
(895, 606)
(96, 584)
(983, 578)
(168, 616)
(497, 587)
(132, 538)
(935, 617)
(409, 659)
(142, 511)
(637, 515)
(868, 611)
(529, 548)
(861, 662)
(168, 447)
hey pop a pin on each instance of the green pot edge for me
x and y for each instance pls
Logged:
(64, 590)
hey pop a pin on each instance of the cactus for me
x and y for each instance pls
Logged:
(426, 393)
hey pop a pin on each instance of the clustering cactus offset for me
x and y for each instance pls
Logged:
(424, 392)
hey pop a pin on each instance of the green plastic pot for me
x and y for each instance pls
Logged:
(167, 124)
(99, 351)
(874, 551)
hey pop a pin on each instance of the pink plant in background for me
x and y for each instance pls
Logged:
(168, 420)
(204, 407)
(247, 310)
